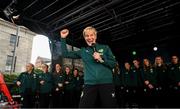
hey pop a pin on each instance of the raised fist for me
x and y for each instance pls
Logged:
(64, 33)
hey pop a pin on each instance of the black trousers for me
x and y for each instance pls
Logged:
(119, 95)
(69, 98)
(44, 100)
(28, 99)
(173, 98)
(150, 98)
(57, 99)
(106, 93)
(77, 94)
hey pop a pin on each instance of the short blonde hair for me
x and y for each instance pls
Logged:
(91, 29)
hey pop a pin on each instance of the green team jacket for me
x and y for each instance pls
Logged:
(151, 76)
(117, 79)
(78, 82)
(48, 84)
(70, 85)
(94, 72)
(128, 79)
(58, 78)
(174, 74)
(28, 81)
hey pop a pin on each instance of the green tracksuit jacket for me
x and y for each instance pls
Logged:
(58, 80)
(94, 72)
(174, 74)
(28, 81)
(47, 86)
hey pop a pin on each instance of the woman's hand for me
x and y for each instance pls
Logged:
(97, 57)
(64, 33)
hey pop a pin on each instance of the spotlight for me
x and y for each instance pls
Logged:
(134, 52)
(155, 48)
(10, 10)
(16, 17)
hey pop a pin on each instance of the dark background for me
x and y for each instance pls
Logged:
(125, 25)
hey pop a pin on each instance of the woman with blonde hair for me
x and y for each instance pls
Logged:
(150, 81)
(98, 61)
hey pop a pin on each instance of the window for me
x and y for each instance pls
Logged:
(13, 40)
(9, 63)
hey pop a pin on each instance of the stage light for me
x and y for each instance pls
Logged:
(11, 10)
(7, 12)
(134, 52)
(16, 17)
(155, 48)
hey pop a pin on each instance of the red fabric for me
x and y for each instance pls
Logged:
(4, 88)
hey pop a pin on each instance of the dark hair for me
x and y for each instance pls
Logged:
(31, 64)
(58, 64)
(76, 69)
(46, 65)
(136, 59)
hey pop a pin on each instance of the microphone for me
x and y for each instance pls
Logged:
(95, 50)
(94, 47)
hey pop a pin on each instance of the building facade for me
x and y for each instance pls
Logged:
(76, 63)
(40, 61)
(57, 57)
(22, 44)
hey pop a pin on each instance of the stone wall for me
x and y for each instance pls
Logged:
(23, 50)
